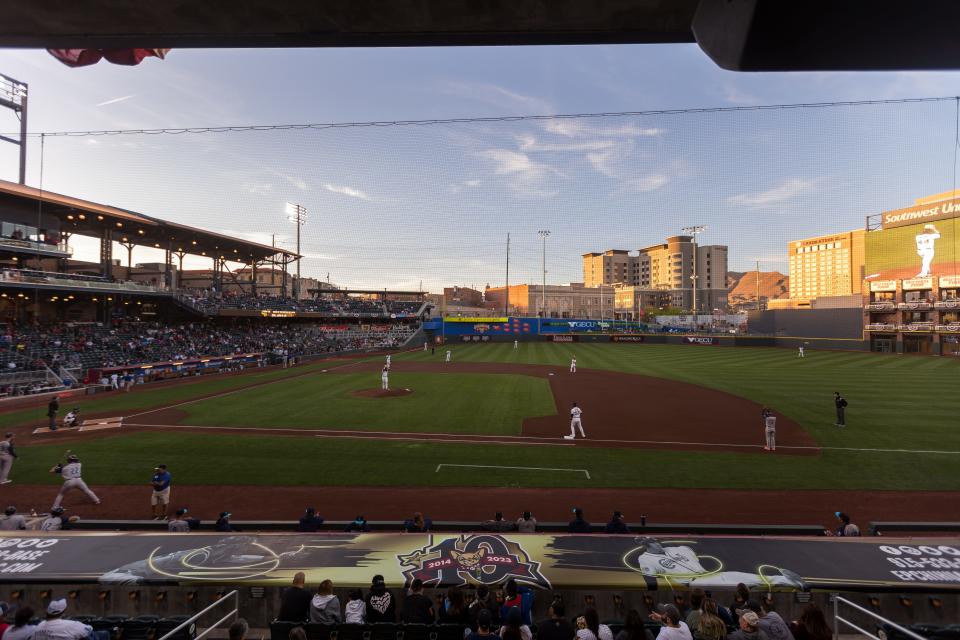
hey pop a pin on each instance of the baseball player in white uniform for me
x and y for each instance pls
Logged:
(72, 480)
(448, 355)
(800, 354)
(388, 361)
(385, 378)
(770, 430)
(516, 344)
(7, 455)
(573, 365)
(424, 347)
(575, 412)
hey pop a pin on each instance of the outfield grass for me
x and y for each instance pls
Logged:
(447, 403)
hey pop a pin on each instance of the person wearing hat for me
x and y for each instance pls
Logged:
(769, 622)
(484, 624)
(53, 407)
(160, 497)
(526, 523)
(497, 524)
(359, 525)
(578, 524)
(70, 473)
(844, 526)
(54, 627)
(674, 628)
(310, 522)
(12, 521)
(616, 524)
(7, 456)
(381, 604)
(179, 522)
(749, 627)
(55, 521)
(223, 523)
(73, 419)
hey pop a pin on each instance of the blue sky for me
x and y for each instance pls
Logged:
(394, 206)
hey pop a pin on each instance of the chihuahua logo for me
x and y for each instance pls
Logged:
(471, 560)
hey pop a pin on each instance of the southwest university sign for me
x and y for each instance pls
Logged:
(441, 560)
(921, 214)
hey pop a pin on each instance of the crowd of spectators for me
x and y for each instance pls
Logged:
(211, 302)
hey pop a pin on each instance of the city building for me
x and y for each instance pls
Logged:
(826, 266)
(911, 291)
(668, 266)
(561, 301)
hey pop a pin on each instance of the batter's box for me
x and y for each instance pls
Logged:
(94, 424)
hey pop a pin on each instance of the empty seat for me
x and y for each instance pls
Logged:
(384, 631)
(316, 631)
(354, 632)
(417, 631)
(136, 629)
(448, 632)
(166, 625)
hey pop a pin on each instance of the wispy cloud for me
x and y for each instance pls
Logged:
(581, 127)
(528, 178)
(114, 100)
(787, 190)
(346, 191)
(651, 182)
(258, 189)
(499, 97)
(529, 142)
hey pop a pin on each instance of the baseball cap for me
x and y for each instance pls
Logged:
(617, 514)
(751, 606)
(161, 466)
(182, 511)
(669, 610)
(224, 514)
(57, 511)
(577, 511)
(56, 607)
(751, 618)
(10, 510)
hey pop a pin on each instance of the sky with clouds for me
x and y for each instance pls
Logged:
(394, 206)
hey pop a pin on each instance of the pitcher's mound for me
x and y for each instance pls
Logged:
(380, 393)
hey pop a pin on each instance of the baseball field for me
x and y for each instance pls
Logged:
(673, 431)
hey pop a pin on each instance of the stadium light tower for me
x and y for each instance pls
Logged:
(694, 231)
(297, 215)
(543, 233)
(13, 96)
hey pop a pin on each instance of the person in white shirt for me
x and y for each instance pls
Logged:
(448, 355)
(385, 378)
(770, 430)
(516, 344)
(72, 480)
(7, 456)
(56, 628)
(114, 381)
(388, 361)
(54, 522)
(73, 419)
(575, 424)
(589, 627)
(21, 629)
(673, 627)
(800, 354)
(573, 365)
(12, 521)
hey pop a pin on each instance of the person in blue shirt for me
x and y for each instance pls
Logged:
(161, 491)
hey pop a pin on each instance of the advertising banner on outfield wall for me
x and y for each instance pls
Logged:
(701, 340)
(441, 560)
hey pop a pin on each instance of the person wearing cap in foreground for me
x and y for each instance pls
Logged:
(12, 521)
(674, 628)
(749, 627)
(54, 627)
(578, 524)
(769, 622)
(160, 497)
(617, 524)
(71, 480)
(179, 522)
(223, 523)
(497, 524)
(56, 521)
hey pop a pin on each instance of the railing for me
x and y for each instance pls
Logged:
(40, 277)
(33, 245)
(881, 306)
(233, 595)
(920, 305)
(879, 326)
(71, 374)
(948, 328)
(917, 326)
(838, 620)
(947, 304)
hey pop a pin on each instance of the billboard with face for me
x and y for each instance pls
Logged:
(913, 251)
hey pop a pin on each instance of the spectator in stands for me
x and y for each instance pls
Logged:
(693, 614)
(179, 522)
(633, 628)
(616, 524)
(381, 605)
(844, 526)
(417, 608)
(497, 524)
(12, 521)
(356, 609)
(673, 627)
(526, 523)
(21, 629)
(749, 628)
(454, 608)
(325, 605)
(484, 600)
(520, 597)
(295, 601)
(297, 633)
(310, 522)
(238, 630)
(223, 523)
(740, 599)
(484, 624)
(417, 524)
(359, 525)
(556, 627)
(770, 621)
(589, 627)
(4, 612)
(709, 625)
(54, 627)
(578, 524)
(514, 627)
(812, 624)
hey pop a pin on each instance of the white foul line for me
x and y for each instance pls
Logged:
(498, 466)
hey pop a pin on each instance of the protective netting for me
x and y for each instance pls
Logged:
(396, 205)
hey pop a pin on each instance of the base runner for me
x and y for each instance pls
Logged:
(575, 424)
(72, 480)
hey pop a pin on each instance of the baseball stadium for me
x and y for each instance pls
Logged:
(593, 375)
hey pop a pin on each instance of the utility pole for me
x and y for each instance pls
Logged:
(543, 233)
(694, 231)
(506, 290)
(298, 216)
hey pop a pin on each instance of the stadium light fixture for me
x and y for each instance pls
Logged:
(694, 231)
(297, 214)
(544, 234)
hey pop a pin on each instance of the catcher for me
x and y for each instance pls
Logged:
(71, 479)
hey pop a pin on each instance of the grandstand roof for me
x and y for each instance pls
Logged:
(84, 217)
